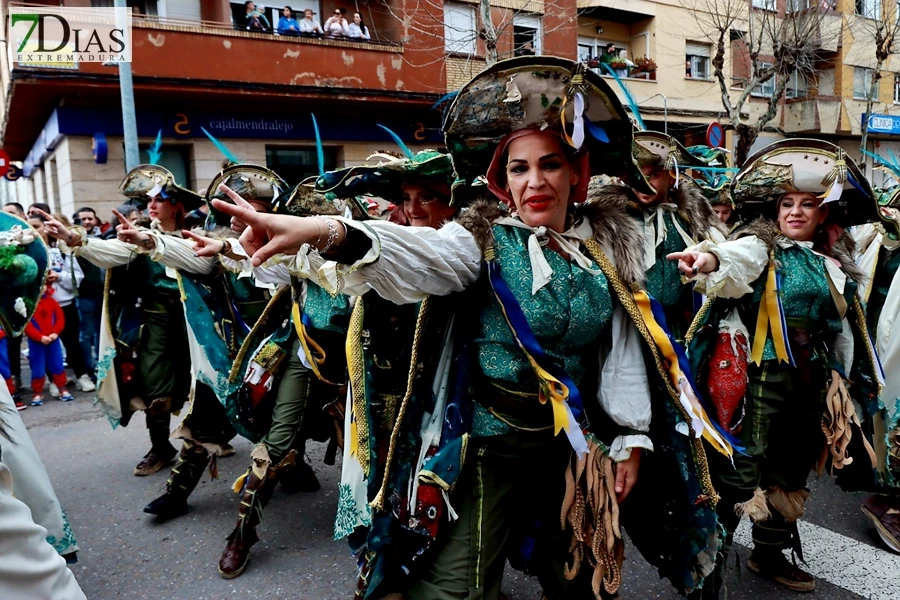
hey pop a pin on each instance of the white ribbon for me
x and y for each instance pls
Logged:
(656, 233)
(578, 122)
(541, 270)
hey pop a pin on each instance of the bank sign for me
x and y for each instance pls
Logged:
(883, 123)
(62, 37)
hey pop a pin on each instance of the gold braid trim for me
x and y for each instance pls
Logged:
(356, 369)
(245, 346)
(860, 316)
(378, 502)
(698, 318)
(627, 299)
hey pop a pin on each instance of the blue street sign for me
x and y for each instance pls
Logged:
(883, 123)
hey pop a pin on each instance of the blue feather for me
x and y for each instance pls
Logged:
(890, 163)
(320, 151)
(154, 153)
(403, 147)
(595, 130)
(628, 97)
(221, 147)
(444, 98)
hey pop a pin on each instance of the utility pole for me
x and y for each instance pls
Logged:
(129, 120)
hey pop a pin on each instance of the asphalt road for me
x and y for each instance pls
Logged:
(125, 555)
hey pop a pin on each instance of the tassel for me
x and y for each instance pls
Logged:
(238, 484)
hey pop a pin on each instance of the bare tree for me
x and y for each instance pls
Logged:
(486, 26)
(883, 25)
(776, 44)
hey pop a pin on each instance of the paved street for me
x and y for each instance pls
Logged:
(125, 555)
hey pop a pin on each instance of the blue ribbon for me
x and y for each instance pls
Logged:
(522, 330)
(783, 319)
(684, 364)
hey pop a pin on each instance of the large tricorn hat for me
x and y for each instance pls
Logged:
(149, 181)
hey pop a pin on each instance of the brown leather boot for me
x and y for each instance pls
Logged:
(256, 494)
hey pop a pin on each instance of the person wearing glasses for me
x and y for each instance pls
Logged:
(336, 25)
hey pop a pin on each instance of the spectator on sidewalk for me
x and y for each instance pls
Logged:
(45, 348)
(131, 213)
(38, 205)
(308, 25)
(87, 218)
(287, 24)
(336, 25)
(14, 208)
(357, 29)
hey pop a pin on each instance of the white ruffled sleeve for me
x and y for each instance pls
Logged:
(624, 390)
(741, 262)
(178, 253)
(106, 254)
(404, 264)
(273, 272)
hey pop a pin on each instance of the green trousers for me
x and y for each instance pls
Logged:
(508, 482)
(164, 358)
(290, 410)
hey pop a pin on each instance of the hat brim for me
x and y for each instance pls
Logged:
(250, 182)
(140, 182)
(802, 165)
(531, 92)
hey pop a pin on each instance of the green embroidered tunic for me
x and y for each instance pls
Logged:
(663, 278)
(805, 296)
(326, 312)
(567, 316)
(157, 280)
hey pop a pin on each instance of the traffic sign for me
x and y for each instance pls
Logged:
(4, 162)
(715, 135)
(13, 173)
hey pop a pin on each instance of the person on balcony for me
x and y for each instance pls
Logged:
(309, 26)
(336, 25)
(357, 29)
(287, 24)
(254, 19)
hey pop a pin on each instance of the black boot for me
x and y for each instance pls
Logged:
(186, 474)
(770, 539)
(301, 478)
(161, 450)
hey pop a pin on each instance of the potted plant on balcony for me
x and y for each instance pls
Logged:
(618, 65)
(644, 64)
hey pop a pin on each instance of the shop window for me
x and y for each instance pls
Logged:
(296, 163)
(526, 34)
(175, 158)
(696, 62)
(459, 28)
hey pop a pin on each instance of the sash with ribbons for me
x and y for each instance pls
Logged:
(555, 385)
(771, 317)
(680, 375)
(314, 352)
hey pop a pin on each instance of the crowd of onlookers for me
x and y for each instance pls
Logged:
(336, 26)
(65, 328)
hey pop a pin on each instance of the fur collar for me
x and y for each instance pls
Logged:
(604, 209)
(842, 250)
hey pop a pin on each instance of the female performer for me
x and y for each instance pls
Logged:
(777, 386)
(547, 338)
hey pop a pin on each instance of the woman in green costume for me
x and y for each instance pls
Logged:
(542, 375)
(782, 386)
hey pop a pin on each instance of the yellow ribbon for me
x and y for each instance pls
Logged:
(769, 317)
(359, 430)
(316, 355)
(664, 343)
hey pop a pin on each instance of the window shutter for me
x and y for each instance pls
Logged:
(697, 49)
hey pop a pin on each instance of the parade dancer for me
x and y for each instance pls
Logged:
(782, 350)
(549, 296)
(297, 370)
(24, 263)
(144, 356)
(879, 259)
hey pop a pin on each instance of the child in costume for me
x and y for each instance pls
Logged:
(45, 348)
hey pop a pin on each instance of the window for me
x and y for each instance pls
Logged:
(862, 82)
(764, 4)
(459, 28)
(869, 8)
(296, 163)
(175, 158)
(896, 89)
(588, 48)
(798, 85)
(140, 7)
(766, 89)
(696, 64)
(798, 5)
(526, 34)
